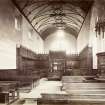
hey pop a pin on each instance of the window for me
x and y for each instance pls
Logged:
(18, 22)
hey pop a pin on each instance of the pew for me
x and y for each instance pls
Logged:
(68, 99)
(80, 89)
(22, 79)
(69, 79)
(78, 79)
(8, 92)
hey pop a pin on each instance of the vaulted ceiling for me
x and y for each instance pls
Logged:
(46, 16)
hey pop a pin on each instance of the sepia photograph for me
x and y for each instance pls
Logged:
(52, 52)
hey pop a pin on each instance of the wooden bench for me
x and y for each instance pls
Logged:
(23, 80)
(83, 86)
(80, 89)
(78, 79)
(67, 99)
(8, 92)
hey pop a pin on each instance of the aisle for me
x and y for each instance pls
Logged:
(44, 86)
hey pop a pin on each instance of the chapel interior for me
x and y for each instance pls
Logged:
(52, 52)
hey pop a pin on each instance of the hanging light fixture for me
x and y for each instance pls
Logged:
(58, 14)
(100, 27)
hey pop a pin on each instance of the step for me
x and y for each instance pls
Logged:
(88, 96)
(84, 85)
(71, 97)
(85, 92)
(66, 79)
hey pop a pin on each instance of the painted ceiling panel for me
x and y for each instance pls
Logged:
(47, 16)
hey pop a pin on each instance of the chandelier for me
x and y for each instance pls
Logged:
(58, 15)
(100, 27)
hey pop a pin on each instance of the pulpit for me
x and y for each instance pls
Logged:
(101, 63)
(101, 66)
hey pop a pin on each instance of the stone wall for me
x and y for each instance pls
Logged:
(14, 30)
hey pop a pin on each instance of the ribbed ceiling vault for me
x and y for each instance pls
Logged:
(46, 16)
